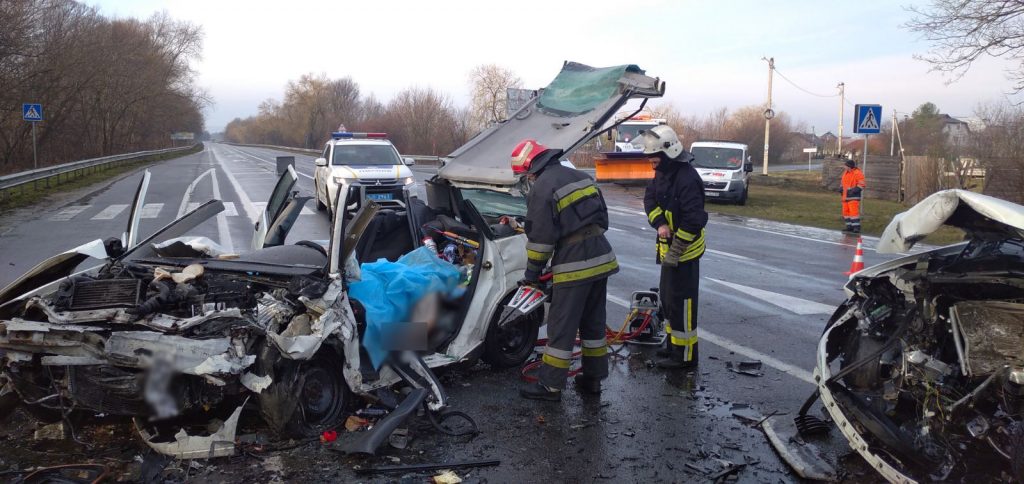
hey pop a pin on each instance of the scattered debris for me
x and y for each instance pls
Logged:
(428, 467)
(541, 420)
(54, 431)
(447, 477)
(749, 368)
(221, 443)
(729, 470)
(399, 439)
(71, 473)
(354, 423)
(329, 436)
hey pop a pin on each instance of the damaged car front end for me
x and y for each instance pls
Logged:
(922, 368)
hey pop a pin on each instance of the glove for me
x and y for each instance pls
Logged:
(675, 251)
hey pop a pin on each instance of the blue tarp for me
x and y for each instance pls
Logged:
(389, 291)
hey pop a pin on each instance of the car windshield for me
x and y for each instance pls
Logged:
(365, 155)
(495, 204)
(721, 158)
(629, 132)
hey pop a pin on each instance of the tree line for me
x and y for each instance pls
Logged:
(418, 120)
(107, 86)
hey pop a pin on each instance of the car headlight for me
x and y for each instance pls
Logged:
(342, 180)
(408, 180)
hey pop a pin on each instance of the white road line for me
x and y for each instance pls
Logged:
(727, 254)
(230, 210)
(613, 229)
(725, 343)
(184, 207)
(192, 206)
(796, 305)
(628, 211)
(222, 221)
(110, 212)
(69, 213)
(247, 206)
(268, 161)
(305, 210)
(151, 210)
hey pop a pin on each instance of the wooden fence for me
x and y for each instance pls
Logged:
(1005, 179)
(882, 177)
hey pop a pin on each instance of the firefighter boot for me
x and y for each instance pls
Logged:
(537, 391)
(585, 384)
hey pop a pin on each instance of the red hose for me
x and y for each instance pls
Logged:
(612, 337)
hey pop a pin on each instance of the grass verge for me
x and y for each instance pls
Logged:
(821, 209)
(34, 192)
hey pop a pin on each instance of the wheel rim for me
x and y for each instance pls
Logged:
(321, 397)
(513, 337)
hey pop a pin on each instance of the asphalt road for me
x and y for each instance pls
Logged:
(767, 290)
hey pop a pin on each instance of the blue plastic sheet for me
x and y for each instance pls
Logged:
(389, 291)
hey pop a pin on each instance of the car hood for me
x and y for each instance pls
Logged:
(572, 109)
(981, 216)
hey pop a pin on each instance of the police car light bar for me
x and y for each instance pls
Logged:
(346, 134)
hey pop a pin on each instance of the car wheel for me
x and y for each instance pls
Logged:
(320, 206)
(316, 399)
(510, 346)
(743, 197)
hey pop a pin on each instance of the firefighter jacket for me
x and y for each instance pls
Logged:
(566, 218)
(853, 184)
(675, 197)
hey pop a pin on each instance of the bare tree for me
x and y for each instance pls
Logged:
(962, 31)
(489, 84)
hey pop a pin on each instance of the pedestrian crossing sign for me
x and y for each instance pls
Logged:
(868, 119)
(32, 112)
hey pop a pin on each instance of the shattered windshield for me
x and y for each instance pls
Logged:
(721, 158)
(495, 204)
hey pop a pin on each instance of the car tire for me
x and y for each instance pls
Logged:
(320, 206)
(306, 398)
(743, 197)
(511, 346)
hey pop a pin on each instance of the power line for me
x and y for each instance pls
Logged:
(802, 89)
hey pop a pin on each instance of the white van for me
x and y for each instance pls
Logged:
(725, 168)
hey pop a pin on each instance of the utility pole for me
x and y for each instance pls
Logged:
(892, 140)
(842, 104)
(768, 114)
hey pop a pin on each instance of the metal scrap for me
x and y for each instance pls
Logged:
(749, 368)
(219, 444)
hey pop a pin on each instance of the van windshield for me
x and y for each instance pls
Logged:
(629, 132)
(720, 158)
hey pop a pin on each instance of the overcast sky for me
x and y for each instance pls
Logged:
(709, 53)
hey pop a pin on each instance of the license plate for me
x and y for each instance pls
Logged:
(378, 196)
(712, 194)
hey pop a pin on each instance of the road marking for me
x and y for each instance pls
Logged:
(110, 212)
(230, 210)
(725, 343)
(184, 207)
(69, 213)
(628, 211)
(250, 210)
(222, 221)
(151, 210)
(796, 305)
(613, 229)
(267, 161)
(263, 206)
(727, 254)
(192, 206)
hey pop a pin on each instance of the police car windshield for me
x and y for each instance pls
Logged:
(720, 158)
(345, 154)
(495, 204)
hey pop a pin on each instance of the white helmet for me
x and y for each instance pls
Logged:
(661, 138)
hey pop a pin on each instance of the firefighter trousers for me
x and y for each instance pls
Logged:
(576, 309)
(679, 290)
(851, 214)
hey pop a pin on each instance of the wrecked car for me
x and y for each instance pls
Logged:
(922, 368)
(170, 330)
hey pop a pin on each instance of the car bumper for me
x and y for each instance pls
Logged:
(733, 190)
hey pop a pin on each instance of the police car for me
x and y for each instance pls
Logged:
(361, 166)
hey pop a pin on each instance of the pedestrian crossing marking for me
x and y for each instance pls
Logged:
(151, 210)
(230, 210)
(869, 122)
(110, 212)
(69, 213)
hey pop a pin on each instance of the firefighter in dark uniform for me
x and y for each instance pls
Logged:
(566, 219)
(674, 202)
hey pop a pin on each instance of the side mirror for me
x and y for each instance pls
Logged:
(748, 158)
(748, 166)
(409, 161)
(321, 162)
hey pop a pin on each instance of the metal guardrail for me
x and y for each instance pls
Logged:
(76, 168)
(434, 160)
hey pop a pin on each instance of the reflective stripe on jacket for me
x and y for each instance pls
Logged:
(675, 197)
(853, 184)
(566, 218)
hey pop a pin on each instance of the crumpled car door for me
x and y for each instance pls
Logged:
(131, 233)
(280, 214)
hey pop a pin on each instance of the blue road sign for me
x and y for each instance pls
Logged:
(868, 119)
(32, 112)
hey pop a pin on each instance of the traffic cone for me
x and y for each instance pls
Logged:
(858, 258)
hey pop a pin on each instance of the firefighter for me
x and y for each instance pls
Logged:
(566, 219)
(674, 202)
(852, 190)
